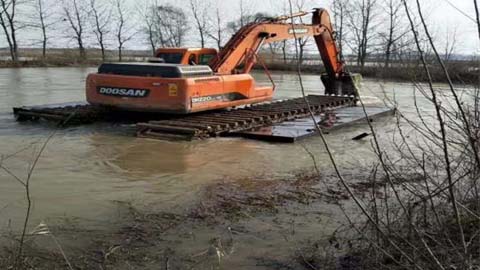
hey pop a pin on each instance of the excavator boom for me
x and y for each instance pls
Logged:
(241, 50)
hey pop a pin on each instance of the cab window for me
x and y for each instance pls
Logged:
(192, 60)
(205, 59)
(171, 58)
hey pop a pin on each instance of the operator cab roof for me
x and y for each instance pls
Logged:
(142, 69)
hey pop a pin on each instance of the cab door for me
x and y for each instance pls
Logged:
(193, 59)
(206, 58)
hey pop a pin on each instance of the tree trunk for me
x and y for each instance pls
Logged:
(14, 41)
(44, 41)
(44, 29)
(102, 48)
(202, 39)
(152, 42)
(44, 47)
(7, 35)
(388, 54)
(81, 49)
(120, 53)
(8, 25)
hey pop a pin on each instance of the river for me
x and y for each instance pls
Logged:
(85, 169)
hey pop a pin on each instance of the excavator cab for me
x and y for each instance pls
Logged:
(185, 56)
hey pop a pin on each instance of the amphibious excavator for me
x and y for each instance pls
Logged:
(184, 81)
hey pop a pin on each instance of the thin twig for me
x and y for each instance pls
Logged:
(442, 126)
(332, 158)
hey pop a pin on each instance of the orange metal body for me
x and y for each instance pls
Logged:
(231, 85)
(178, 95)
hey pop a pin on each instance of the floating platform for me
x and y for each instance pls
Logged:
(214, 124)
(292, 131)
(278, 121)
(71, 112)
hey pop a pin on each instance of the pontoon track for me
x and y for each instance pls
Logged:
(194, 126)
(214, 124)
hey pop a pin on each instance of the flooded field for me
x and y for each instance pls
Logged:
(86, 170)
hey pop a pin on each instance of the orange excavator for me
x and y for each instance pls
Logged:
(184, 81)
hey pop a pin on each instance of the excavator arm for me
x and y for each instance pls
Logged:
(242, 48)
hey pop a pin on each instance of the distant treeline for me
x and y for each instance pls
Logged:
(464, 69)
(363, 28)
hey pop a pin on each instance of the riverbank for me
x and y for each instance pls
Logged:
(63, 57)
(50, 63)
(463, 74)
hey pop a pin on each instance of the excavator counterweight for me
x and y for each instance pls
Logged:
(184, 81)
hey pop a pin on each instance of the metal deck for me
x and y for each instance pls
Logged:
(212, 124)
(280, 121)
(292, 131)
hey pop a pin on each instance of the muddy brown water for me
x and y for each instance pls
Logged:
(85, 169)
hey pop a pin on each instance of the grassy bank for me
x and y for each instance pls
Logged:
(66, 58)
(460, 72)
(50, 63)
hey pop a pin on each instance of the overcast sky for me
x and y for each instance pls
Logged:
(442, 16)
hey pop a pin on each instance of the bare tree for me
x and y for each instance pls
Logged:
(302, 42)
(244, 12)
(236, 25)
(149, 15)
(451, 42)
(8, 12)
(275, 47)
(171, 26)
(360, 18)
(199, 11)
(217, 24)
(163, 25)
(339, 7)
(76, 14)
(43, 21)
(283, 9)
(101, 24)
(394, 32)
(123, 31)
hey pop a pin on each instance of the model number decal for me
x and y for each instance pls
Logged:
(298, 31)
(207, 99)
(224, 97)
(123, 92)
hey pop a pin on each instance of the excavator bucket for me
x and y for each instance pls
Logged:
(348, 84)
